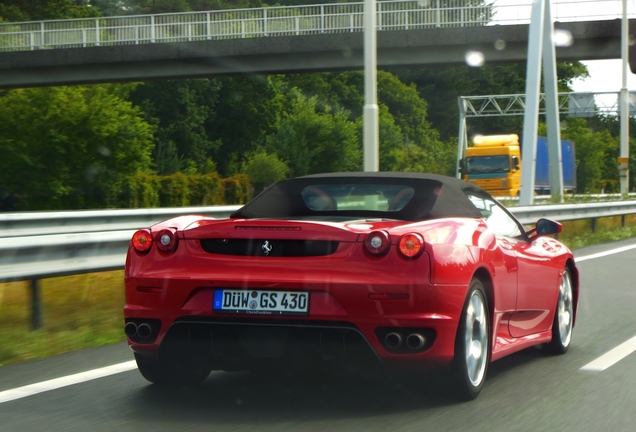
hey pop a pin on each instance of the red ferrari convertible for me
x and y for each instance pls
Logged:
(401, 270)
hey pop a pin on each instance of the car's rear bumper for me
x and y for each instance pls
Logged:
(343, 323)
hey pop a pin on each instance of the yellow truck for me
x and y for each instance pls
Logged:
(494, 163)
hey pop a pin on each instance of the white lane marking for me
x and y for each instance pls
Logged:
(44, 386)
(606, 253)
(623, 350)
(611, 357)
(599, 364)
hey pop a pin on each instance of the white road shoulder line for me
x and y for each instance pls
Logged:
(44, 386)
(612, 357)
(606, 253)
(599, 364)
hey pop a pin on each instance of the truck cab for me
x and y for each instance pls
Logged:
(493, 163)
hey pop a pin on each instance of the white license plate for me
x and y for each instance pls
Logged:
(261, 302)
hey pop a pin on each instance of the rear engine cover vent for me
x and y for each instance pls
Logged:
(272, 248)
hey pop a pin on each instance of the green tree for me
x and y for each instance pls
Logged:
(328, 141)
(612, 123)
(247, 111)
(110, 7)
(291, 147)
(183, 111)
(205, 5)
(596, 153)
(35, 10)
(156, 6)
(403, 112)
(64, 147)
(166, 6)
(263, 169)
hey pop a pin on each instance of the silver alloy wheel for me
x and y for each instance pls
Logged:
(476, 338)
(565, 309)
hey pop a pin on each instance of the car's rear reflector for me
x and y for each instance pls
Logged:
(150, 289)
(378, 242)
(267, 228)
(167, 240)
(389, 296)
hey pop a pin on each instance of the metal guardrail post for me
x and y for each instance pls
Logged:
(322, 18)
(97, 38)
(438, 17)
(264, 22)
(36, 305)
(207, 26)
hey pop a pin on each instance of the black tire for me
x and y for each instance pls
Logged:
(164, 372)
(563, 322)
(472, 345)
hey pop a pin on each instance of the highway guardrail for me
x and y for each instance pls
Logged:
(39, 245)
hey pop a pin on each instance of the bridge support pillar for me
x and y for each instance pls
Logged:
(541, 52)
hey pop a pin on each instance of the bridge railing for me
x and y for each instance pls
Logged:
(278, 21)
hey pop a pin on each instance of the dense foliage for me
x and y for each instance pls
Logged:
(219, 140)
(64, 147)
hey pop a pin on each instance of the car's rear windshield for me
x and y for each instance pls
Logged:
(349, 196)
(399, 196)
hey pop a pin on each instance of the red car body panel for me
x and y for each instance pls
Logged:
(353, 287)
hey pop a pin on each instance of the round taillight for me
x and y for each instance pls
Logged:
(378, 242)
(142, 240)
(166, 240)
(411, 245)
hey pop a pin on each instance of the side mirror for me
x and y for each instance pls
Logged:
(545, 227)
(515, 163)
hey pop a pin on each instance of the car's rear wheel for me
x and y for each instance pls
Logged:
(171, 371)
(472, 352)
(563, 317)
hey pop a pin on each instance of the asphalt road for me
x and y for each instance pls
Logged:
(529, 391)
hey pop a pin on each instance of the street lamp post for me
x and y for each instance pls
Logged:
(371, 128)
(623, 160)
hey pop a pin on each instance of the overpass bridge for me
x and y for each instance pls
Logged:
(291, 39)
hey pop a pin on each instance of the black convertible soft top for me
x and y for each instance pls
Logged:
(432, 196)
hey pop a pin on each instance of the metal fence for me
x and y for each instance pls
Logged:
(40, 245)
(283, 21)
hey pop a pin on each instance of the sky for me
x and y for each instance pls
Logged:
(605, 76)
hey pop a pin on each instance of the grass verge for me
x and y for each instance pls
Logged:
(85, 311)
(80, 311)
